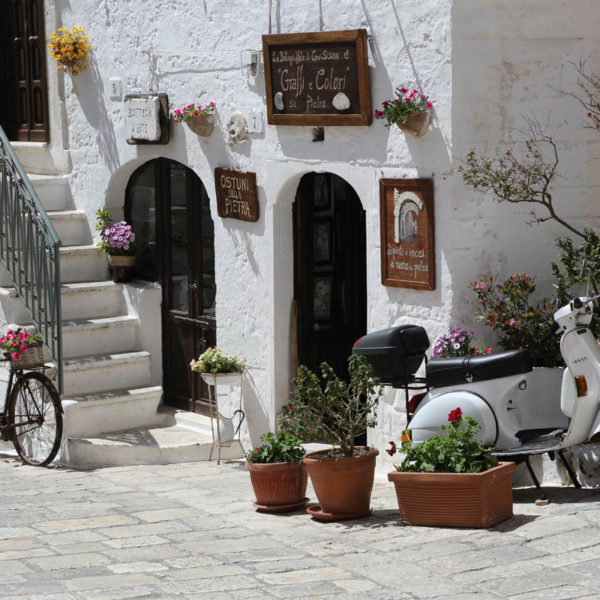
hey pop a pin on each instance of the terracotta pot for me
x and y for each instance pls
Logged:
(120, 267)
(278, 487)
(455, 499)
(416, 124)
(343, 486)
(202, 125)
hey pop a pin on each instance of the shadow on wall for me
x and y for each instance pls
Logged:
(91, 101)
(257, 419)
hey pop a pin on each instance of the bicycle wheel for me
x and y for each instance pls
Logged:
(35, 419)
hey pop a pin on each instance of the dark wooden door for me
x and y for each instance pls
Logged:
(169, 210)
(330, 270)
(24, 96)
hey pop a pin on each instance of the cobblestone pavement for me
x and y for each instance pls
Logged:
(189, 531)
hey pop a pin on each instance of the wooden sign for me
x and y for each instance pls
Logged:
(146, 118)
(236, 195)
(317, 78)
(407, 233)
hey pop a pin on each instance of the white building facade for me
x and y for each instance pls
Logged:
(484, 64)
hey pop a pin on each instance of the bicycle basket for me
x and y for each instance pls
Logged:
(32, 359)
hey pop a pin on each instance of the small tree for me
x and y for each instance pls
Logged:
(331, 409)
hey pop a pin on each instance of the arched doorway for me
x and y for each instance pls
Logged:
(169, 211)
(24, 97)
(330, 270)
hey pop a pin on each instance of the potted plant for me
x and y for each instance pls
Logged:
(409, 110)
(70, 49)
(200, 119)
(336, 412)
(457, 342)
(452, 480)
(277, 474)
(24, 348)
(117, 240)
(213, 365)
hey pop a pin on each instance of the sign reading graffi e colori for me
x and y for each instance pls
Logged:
(407, 233)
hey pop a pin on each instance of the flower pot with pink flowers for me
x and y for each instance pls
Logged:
(452, 480)
(410, 110)
(118, 241)
(199, 118)
(24, 348)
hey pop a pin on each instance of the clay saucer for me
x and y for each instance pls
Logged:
(316, 513)
(281, 507)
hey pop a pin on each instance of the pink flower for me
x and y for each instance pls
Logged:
(378, 114)
(429, 105)
(512, 322)
(16, 355)
(196, 113)
(403, 90)
(384, 103)
(488, 351)
(213, 104)
(24, 347)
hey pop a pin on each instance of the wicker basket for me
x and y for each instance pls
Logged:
(32, 359)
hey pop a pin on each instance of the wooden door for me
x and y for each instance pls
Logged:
(330, 270)
(24, 97)
(169, 210)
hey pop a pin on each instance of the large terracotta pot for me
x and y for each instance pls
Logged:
(343, 486)
(416, 124)
(278, 487)
(455, 499)
(202, 125)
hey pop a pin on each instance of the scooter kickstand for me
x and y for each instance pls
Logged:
(570, 471)
(542, 498)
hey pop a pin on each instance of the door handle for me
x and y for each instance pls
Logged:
(193, 286)
(32, 39)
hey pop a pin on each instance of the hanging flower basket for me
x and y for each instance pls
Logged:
(202, 125)
(416, 124)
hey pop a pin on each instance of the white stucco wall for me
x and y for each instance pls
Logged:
(484, 64)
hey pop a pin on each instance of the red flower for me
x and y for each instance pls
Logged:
(392, 449)
(16, 355)
(455, 415)
(378, 114)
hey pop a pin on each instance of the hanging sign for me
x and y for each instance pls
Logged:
(146, 118)
(407, 233)
(317, 78)
(236, 194)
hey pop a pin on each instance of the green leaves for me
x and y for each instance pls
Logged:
(453, 451)
(282, 447)
(330, 409)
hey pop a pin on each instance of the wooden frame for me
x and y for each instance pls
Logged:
(407, 233)
(304, 51)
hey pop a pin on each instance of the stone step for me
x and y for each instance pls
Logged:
(82, 263)
(102, 372)
(71, 226)
(92, 414)
(36, 157)
(105, 335)
(84, 300)
(53, 191)
(157, 445)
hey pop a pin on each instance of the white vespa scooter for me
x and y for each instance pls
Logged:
(498, 390)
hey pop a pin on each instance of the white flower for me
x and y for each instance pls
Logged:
(456, 346)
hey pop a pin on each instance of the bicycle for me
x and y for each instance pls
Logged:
(32, 415)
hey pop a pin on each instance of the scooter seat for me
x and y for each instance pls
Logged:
(442, 372)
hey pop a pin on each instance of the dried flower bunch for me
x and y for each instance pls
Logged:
(70, 49)
(181, 115)
(18, 341)
(404, 104)
(214, 361)
(116, 238)
(457, 342)
(455, 450)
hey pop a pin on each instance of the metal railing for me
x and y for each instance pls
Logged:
(29, 249)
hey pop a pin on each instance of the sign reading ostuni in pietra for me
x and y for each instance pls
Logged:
(317, 78)
(236, 194)
(407, 233)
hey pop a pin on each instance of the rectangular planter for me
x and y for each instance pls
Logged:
(455, 499)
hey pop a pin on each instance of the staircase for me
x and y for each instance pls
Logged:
(112, 412)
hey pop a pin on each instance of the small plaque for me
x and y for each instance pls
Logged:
(407, 233)
(236, 194)
(146, 120)
(319, 78)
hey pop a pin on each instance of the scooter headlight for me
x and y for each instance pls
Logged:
(581, 383)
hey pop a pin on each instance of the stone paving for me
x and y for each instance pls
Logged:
(189, 531)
